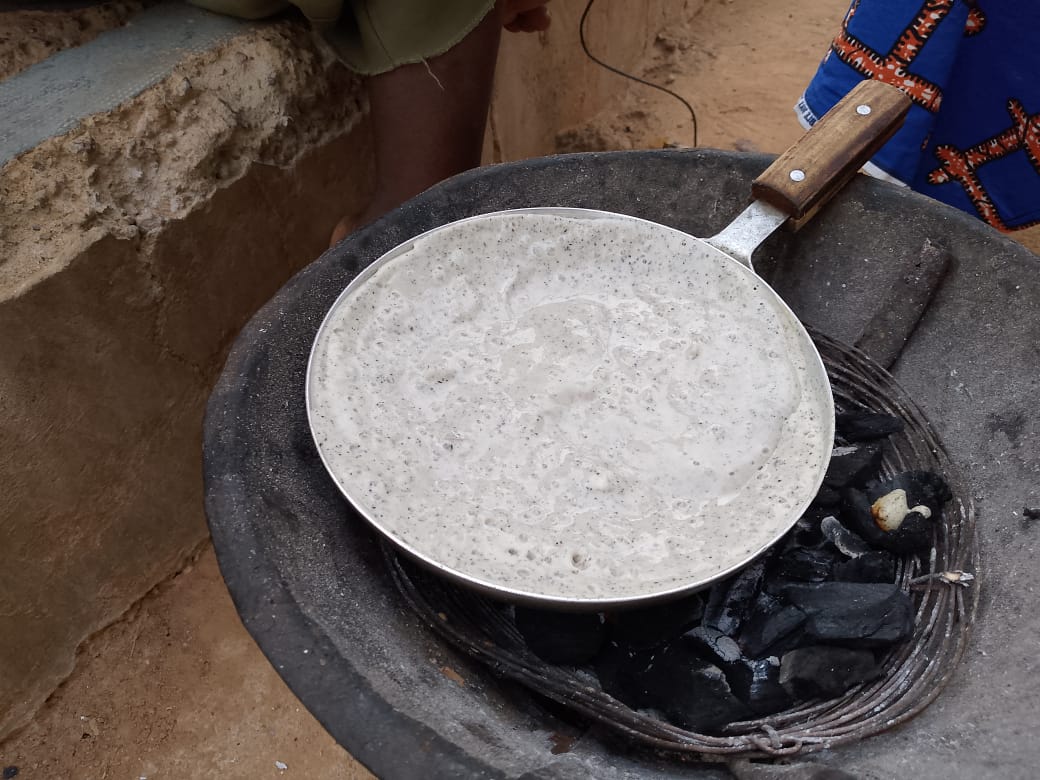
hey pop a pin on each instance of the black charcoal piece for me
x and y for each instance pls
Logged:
(806, 564)
(757, 684)
(654, 625)
(858, 614)
(561, 637)
(921, 487)
(620, 672)
(851, 466)
(847, 543)
(822, 672)
(712, 645)
(805, 533)
(874, 566)
(897, 514)
(691, 692)
(730, 601)
(771, 628)
(860, 425)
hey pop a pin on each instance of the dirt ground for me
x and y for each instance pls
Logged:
(177, 688)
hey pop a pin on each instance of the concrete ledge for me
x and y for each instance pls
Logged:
(133, 249)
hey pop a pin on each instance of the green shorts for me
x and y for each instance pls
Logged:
(374, 36)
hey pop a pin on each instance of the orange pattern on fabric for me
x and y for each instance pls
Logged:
(960, 166)
(893, 67)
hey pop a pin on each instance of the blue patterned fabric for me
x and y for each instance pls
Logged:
(972, 69)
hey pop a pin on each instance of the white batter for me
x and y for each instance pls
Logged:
(570, 408)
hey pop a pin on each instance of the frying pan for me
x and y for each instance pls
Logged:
(584, 410)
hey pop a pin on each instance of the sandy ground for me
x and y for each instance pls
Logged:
(177, 688)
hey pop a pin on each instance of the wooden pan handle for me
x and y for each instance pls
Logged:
(820, 163)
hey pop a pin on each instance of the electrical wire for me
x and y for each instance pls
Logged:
(618, 71)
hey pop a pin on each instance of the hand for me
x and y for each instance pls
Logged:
(525, 15)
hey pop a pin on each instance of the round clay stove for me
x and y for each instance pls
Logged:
(417, 679)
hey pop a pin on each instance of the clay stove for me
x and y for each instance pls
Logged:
(311, 584)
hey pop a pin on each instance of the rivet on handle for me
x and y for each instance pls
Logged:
(797, 175)
(863, 110)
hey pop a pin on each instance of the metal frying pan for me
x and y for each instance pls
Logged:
(585, 410)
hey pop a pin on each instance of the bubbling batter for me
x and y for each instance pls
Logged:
(589, 409)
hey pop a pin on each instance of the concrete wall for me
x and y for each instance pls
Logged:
(133, 249)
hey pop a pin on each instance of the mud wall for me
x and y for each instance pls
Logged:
(133, 249)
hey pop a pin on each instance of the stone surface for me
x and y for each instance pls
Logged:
(114, 325)
(306, 573)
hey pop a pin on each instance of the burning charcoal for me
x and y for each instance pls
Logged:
(861, 425)
(771, 628)
(806, 564)
(691, 692)
(897, 514)
(757, 684)
(862, 614)
(652, 626)
(821, 672)
(730, 601)
(561, 637)
(874, 566)
(849, 467)
(848, 543)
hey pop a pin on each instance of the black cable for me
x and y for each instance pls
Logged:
(612, 69)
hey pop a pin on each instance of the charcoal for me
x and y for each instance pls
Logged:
(805, 533)
(771, 628)
(843, 539)
(806, 564)
(691, 692)
(851, 466)
(730, 601)
(922, 487)
(874, 566)
(822, 672)
(754, 681)
(561, 637)
(861, 425)
(897, 514)
(712, 645)
(859, 614)
(620, 671)
(757, 684)
(651, 626)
